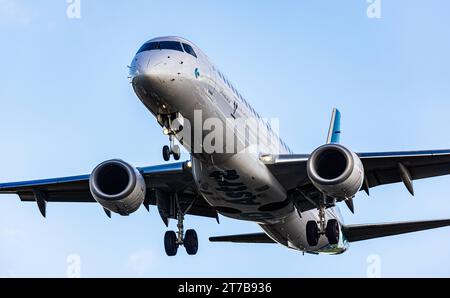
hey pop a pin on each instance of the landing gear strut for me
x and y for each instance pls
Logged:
(173, 240)
(316, 229)
(172, 124)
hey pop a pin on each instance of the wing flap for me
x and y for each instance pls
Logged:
(245, 238)
(60, 197)
(356, 233)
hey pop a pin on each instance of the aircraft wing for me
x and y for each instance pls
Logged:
(175, 177)
(380, 168)
(383, 168)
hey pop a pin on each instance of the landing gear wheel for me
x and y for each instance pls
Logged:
(166, 153)
(176, 152)
(312, 233)
(191, 242)
(332, 231)
(170, 243)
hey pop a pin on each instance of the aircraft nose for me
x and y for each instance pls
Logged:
(152, 67)
(139, 66)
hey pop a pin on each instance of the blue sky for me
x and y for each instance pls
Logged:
(66, 105)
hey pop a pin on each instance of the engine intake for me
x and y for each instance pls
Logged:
(118, 187)
(336, 171)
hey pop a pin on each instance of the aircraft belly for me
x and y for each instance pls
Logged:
(242, 188)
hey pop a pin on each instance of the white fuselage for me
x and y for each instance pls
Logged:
(234, 180)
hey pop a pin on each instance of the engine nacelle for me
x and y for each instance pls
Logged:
(118, 187)
(336, 171)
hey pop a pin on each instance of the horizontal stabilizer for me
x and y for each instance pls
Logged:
(365, 232)
(248, 238)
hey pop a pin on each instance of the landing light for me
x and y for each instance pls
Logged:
(165, 131)
(267, 158)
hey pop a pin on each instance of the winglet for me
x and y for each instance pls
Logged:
(334, 133)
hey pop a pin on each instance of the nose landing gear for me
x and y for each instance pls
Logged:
(172, 124)
(172, 149)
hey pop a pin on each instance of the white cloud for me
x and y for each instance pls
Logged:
(140, 261)
(13, 12)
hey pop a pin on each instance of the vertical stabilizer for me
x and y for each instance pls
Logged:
(334, 133)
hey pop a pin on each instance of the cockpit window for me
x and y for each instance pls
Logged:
(170, 45)
(188, 49)
(148, 47)
(161, 45)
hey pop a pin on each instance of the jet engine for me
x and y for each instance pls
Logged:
(118, 187)
(336, 171)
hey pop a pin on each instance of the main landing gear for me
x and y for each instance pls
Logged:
(316, 229)
(173, 240)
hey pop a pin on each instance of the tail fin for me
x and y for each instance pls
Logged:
(334, 133)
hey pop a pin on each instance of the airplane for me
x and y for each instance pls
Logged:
(293, 198)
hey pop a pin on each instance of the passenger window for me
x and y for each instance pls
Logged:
(188, 49)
